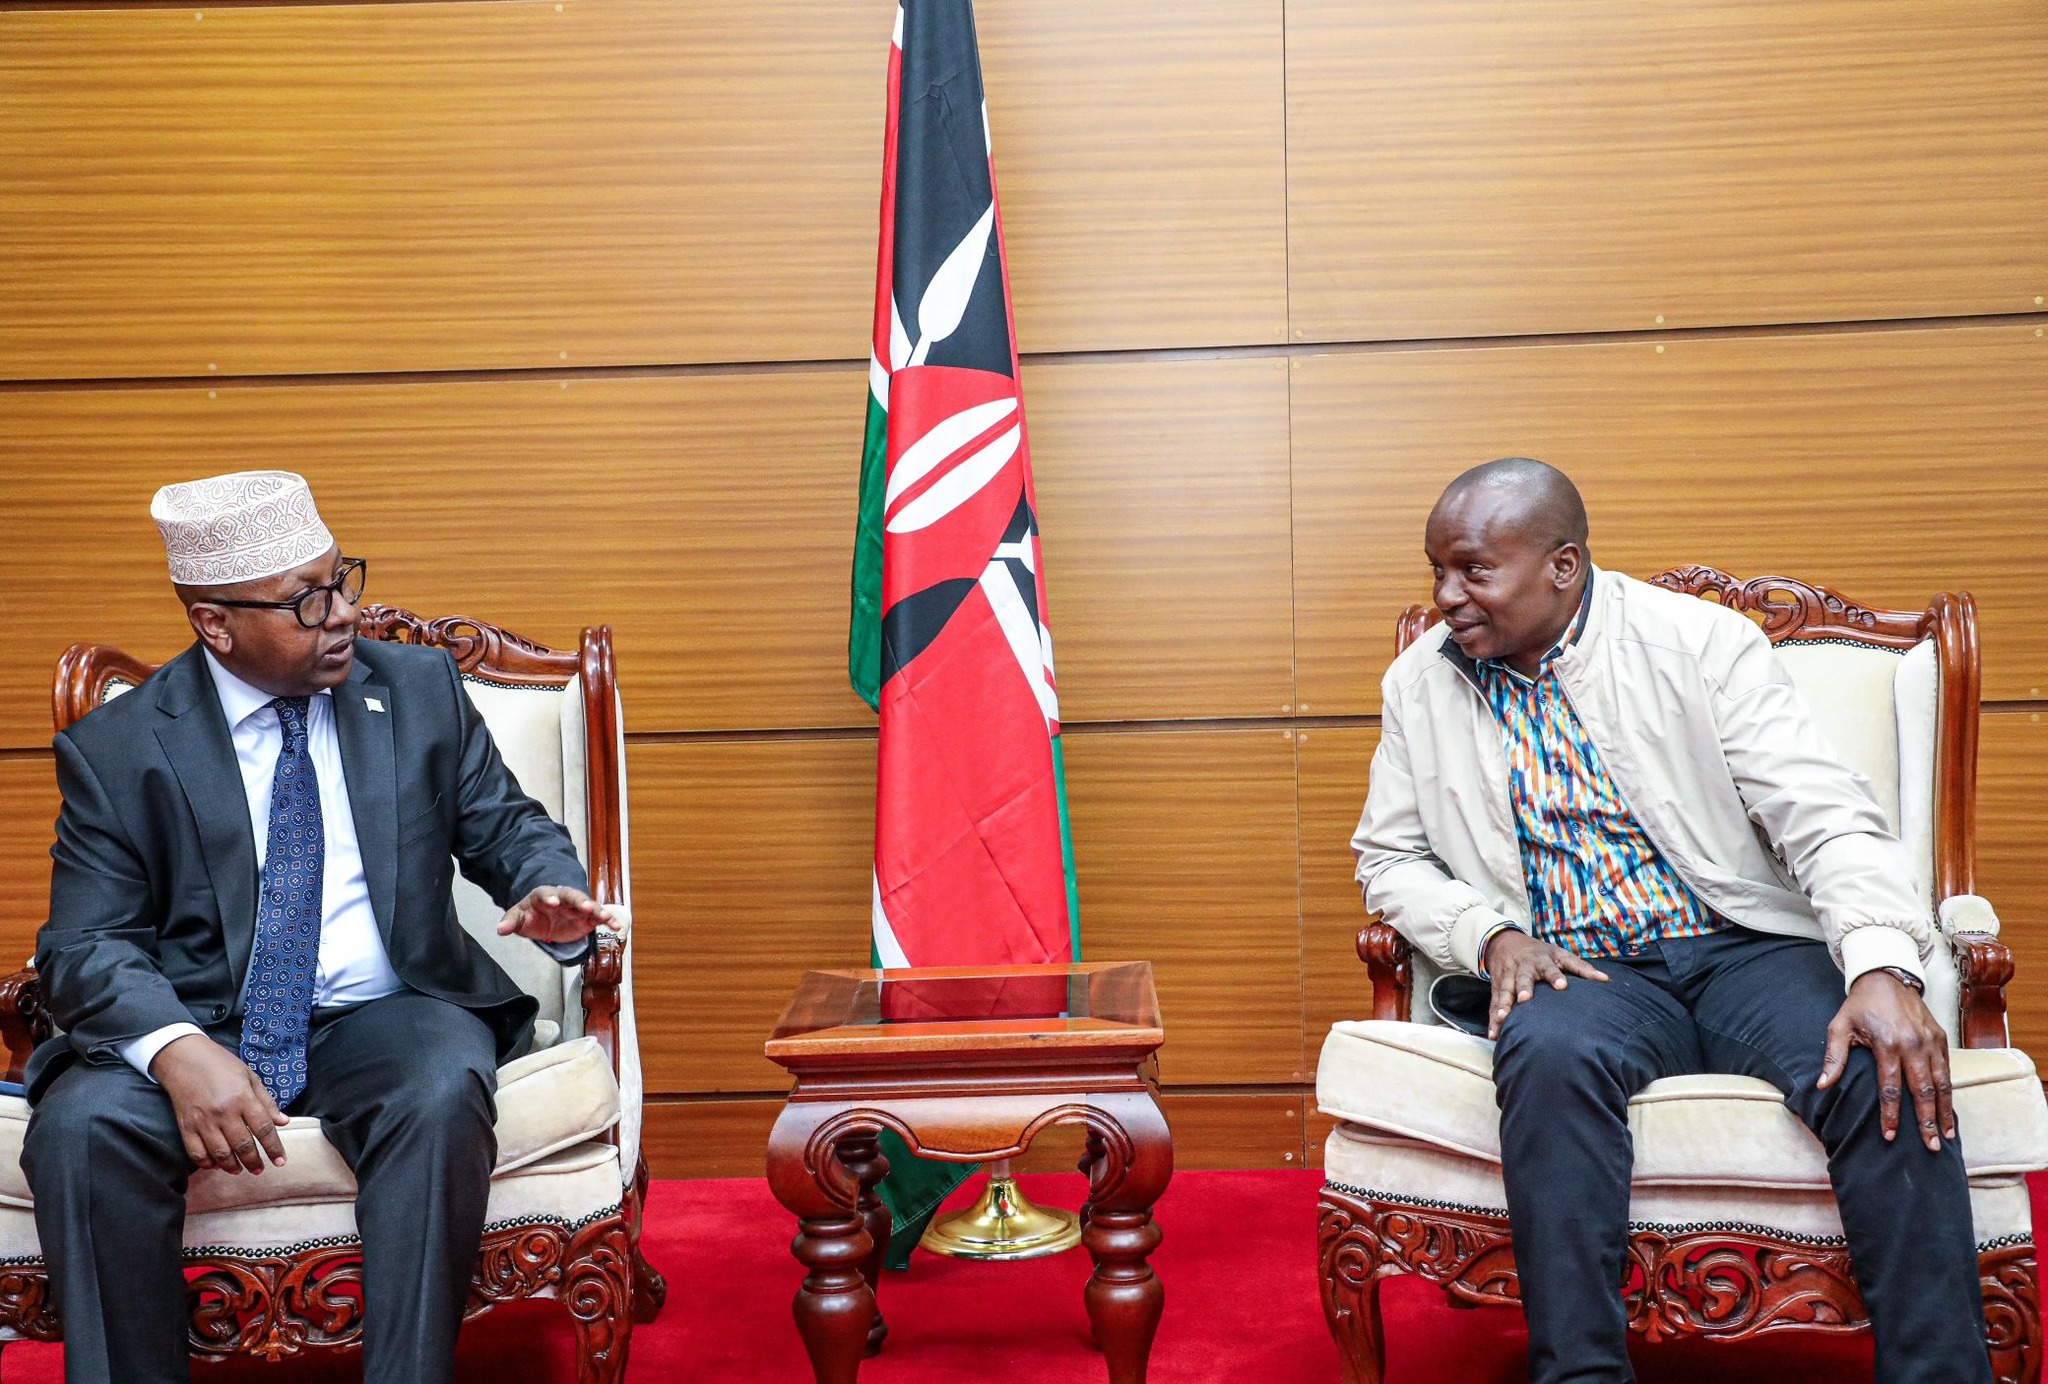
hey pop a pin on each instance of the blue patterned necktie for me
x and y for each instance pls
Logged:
(278, 1005)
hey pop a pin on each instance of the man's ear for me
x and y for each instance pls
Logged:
(210, 623)
(1566, 563)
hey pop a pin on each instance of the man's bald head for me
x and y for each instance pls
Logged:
(1507, 545)
(1532, 499)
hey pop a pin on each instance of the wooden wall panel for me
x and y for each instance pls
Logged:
(2012, 866)
(708, 1138)
(1140, 154)
(1335, 768)
(752, 862)
(1236, 1129)
(1889, 464)
(1458, 172)
(299, 189)
(1184, 849)
(708, 518)
(28, 813)
(1163, 498)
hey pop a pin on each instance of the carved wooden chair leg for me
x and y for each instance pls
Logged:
(650, 1289)
(2011, 1282)
(597, 1288)
(1349, 1246)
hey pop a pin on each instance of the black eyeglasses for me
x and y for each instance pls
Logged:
(313, 606)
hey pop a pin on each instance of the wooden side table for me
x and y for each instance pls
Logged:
(968, 1065)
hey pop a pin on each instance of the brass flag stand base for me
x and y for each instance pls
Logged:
(1002, 1224)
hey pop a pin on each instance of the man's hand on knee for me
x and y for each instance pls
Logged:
(224, 1113)
(1886, 1016)
(1518, 963)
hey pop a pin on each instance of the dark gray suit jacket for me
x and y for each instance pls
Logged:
(153, 887)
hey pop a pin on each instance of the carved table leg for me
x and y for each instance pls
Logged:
(835, 1307)
(1348, 1247)
(1124, 1296)
(2011, 1283)
(862, 1156)
(1092, 1153)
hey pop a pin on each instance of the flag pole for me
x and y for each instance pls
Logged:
(949, 640)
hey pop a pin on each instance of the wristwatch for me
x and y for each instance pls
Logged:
(1906, 978)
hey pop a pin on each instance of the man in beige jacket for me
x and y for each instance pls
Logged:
(1608, 802)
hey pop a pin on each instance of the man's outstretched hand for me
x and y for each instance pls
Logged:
(1519, 963)
(224, 1113)
(554, 913)
(1883, 1014)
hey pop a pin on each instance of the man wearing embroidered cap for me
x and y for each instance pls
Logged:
(250, 923)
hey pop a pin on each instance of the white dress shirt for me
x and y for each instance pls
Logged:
(353, 966)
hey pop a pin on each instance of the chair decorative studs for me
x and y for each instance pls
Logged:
(1720, 1252)
(570, 1186)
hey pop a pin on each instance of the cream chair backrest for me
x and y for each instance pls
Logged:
(1877, 708)
(539, 734)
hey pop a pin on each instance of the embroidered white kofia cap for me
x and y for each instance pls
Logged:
(238, 527)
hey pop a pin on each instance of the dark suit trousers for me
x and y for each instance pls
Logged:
(1734, 1001)
(405, 1089)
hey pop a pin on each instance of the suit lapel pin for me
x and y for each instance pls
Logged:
(373, 704)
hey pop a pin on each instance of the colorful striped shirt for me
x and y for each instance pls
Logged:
(1597, 884)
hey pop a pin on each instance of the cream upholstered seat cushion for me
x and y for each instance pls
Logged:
(548, 1101)
(569, 1188)
(1434, 1086)
(1391, 1169)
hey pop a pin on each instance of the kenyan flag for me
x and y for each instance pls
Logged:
(973, 861)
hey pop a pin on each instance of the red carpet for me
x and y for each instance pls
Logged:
(1238, 1261)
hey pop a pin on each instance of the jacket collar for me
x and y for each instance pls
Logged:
(371, 764)
(193, 732)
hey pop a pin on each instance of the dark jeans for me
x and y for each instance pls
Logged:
(1733, 1001)
(404, 1088)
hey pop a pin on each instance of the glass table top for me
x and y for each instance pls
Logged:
(959, 1002)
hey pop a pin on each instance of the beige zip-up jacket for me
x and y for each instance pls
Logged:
(1707, 741)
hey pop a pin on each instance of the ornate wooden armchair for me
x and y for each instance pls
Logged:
(278, 1259)
(1733, 1226)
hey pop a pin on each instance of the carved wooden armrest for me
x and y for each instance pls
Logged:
(604, 971)
(23, 1020)
(1386, 954)
(1985, 965)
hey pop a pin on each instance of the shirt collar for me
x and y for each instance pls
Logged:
(238, 700)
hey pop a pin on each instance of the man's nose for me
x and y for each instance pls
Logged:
(1450, 594)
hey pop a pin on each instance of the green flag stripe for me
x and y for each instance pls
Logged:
(1059, 777)
(864, 631)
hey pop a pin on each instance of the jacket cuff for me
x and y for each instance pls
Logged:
(1874, 947)
(1469, 931)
